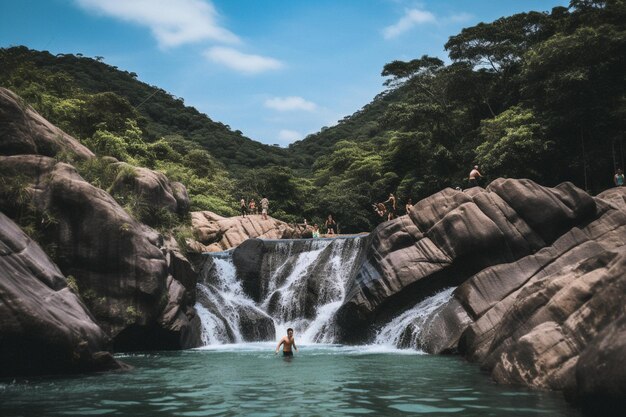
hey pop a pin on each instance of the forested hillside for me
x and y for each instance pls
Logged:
(538, 95)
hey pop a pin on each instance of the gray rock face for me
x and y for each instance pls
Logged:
(24, 131)
(450, 236)
(120, 271)
(44, 327)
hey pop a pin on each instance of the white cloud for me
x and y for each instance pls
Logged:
(410, 19)
(172, 22)
(246, 63)
(290, 103)
(289, 136)
(460, 18)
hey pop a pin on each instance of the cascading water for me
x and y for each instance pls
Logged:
(304, 285)
(409, 329)
(224, 303)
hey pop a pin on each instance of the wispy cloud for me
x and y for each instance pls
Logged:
(172, 22)
(459, 18)
(289, 104)
(411, 18)
(288, 136)
(245, 63)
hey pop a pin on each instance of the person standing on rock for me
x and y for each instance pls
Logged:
(288, 342)
(265, 205)
(474, 176)
(252, 206)
(391, 214)
(618, 179)
(244, 206)
(331, 225)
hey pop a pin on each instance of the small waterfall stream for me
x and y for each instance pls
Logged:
(409, 329)
(302, 284)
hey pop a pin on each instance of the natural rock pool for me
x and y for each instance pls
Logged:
(248, 379)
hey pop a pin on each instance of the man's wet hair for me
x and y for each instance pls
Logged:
(289, 330)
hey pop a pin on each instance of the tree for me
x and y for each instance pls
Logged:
(514, 144)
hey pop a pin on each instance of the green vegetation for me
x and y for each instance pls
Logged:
(533, 95)
(540, 95)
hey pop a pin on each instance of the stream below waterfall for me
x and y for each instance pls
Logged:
(236, 373)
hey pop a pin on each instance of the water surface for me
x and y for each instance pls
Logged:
(249, 380)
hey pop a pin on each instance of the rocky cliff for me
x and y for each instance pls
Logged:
(139, 288)
(541, 276)
(44, 326)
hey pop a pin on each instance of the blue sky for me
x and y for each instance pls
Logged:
(277, 70)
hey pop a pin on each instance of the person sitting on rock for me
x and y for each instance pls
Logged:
(316, 231)
(409, 205)
(618, 179)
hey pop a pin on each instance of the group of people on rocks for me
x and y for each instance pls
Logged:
(390, 211)
(387, 209)
(330, 225)
(251, 207)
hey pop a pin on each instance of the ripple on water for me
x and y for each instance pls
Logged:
(88, 412)
(423, 408)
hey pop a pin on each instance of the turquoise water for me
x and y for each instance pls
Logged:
(249, 380)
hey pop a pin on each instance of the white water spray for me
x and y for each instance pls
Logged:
(409, 328)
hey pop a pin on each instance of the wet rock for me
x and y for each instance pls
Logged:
(248, 260)
(24, 131)
(44, 327)
(256, 326)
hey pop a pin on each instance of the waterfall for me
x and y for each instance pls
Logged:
(223, 303)
(303, 283)
(409, 329)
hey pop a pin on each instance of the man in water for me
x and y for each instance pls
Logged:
(288, 342)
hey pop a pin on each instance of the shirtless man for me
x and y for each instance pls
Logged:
(287, 342)
(474, 176)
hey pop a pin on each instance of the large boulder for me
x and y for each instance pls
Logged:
(44, 327)
(24, 131)
(120, 270)
(215, 233)
(450, 236)
(551, 319)
(153, 188)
